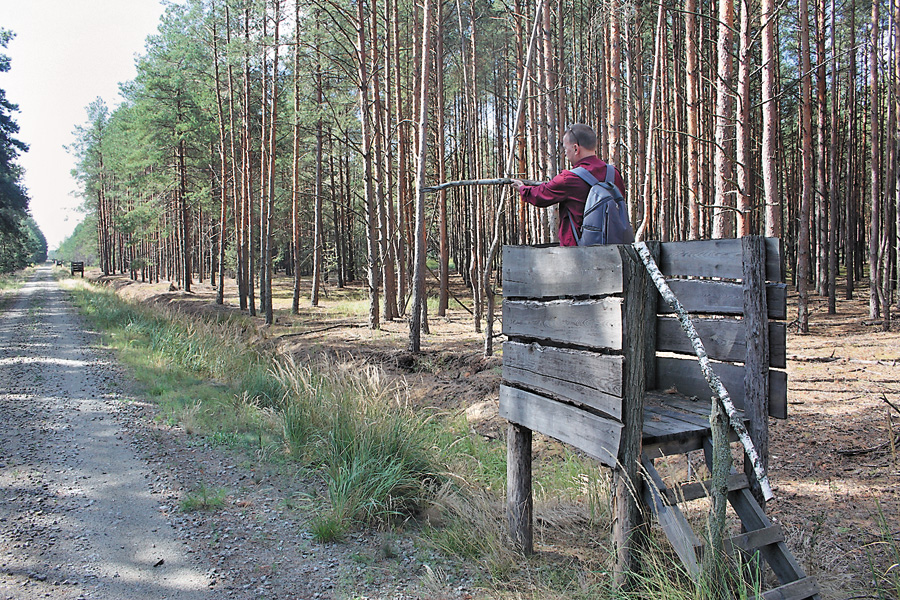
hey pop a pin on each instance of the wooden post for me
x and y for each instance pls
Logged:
(519, 500)
(756, 366)
(639, 337)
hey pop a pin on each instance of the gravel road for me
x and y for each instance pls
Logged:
(77, 517)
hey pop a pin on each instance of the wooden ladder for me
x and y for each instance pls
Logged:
(761, 537)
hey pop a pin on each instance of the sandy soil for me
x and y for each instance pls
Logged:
(831, 463)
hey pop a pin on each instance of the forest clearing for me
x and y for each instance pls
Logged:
(833, 469)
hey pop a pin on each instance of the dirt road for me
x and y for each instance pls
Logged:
(77, 517)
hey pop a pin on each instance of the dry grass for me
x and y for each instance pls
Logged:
(827, 502)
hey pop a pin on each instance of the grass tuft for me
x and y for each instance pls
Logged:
(373, 450)
(205, 499)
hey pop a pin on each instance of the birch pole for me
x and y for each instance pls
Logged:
(495, 242)
(715, 384)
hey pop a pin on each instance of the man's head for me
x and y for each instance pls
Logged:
(579, 141)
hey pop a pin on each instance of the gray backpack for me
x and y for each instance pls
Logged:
(605, 211)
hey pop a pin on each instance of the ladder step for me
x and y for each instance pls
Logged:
(795, 590)
(695, 491)
(678, 531)
(755, 539)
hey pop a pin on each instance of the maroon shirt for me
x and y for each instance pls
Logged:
(569, 191)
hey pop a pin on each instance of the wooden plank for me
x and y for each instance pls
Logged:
(795, 590)
(777, 345)
(724, 339)
(723, 297)
(659, 427)
(700, 489)
(587, 323)
(715, 258)
(755, 538)
(676, 527)
(596, 435)
(531, 272)
(580, 377)
(690, 418)
(683, 403)
(752, 516)
(684, 375)
(774, 259)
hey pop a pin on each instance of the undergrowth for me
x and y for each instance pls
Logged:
(380, 462)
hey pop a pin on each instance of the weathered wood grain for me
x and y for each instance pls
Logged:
(724, 339)
(758, 359)
(723, 297)
(589, 323)
(597, 436)
(530, 272)
(716, 258)
(629, 531)
(580, 377)
(684, 375)
(519, 497)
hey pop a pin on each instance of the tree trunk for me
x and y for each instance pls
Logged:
(833, 169)
(743, 124)
(822, 214)
(371, 209)
(803, 263)
(692, 65)
(722, 215)
(318, 235)
(874, 172)
(415, 323)
(771, 197)
(295, 170)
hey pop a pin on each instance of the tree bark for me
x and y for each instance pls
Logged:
(415, 324)
(692, 79)
(874, 172)
(806, 170)
(371, 208)
(722, 216)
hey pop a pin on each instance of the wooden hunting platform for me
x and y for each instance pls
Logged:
(595, 360)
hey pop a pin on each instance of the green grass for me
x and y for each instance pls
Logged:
(884, 558)
(204, 499)
(15, 280)
(378, 462)
(372, 451)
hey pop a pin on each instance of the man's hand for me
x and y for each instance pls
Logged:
(518, 183)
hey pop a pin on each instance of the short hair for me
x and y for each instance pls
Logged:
(583, 135)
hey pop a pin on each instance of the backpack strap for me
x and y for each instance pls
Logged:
(610, 173)
(591, 180)
(586, 175)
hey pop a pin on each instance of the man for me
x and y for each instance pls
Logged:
(567, 189)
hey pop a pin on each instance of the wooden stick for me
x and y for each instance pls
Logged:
(712, 379)
(449, 184)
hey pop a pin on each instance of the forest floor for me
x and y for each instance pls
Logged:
(834, 472)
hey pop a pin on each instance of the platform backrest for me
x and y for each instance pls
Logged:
(563, 315)
(570, 343)
(707, 278)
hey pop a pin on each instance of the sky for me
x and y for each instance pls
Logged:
(66, 53)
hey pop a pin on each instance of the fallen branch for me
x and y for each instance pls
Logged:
(712, 379)
(338, 326)
(889, 403)
(452, 184)
(859, 451)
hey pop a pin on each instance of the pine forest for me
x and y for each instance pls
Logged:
(307, 137)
